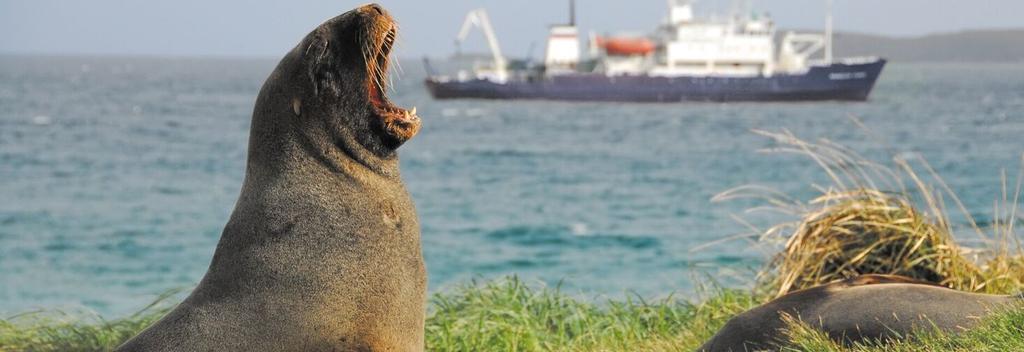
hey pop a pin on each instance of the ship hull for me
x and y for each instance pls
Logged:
(839, 81)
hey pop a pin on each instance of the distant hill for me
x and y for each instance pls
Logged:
(966, 46)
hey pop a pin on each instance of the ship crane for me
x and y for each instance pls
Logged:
(797, 49)
(478, 18)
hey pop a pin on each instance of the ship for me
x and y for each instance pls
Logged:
(685, 59)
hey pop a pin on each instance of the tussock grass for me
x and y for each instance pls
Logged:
(866, 222)
(865, 231)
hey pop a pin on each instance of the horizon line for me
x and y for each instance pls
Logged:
(4, 52)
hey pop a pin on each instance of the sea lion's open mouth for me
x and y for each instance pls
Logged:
(398, 122)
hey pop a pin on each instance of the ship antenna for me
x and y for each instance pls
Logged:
(572, 13)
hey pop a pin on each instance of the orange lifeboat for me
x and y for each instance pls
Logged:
(626, 46)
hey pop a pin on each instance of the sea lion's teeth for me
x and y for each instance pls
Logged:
(413, 110)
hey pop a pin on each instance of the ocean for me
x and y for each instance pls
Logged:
(117, 175)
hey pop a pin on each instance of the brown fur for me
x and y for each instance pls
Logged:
(868, 307)
(322, 252)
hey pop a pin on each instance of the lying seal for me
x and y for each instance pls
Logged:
(867, 307)
(322, 252)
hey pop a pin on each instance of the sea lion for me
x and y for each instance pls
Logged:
(868, 307)
(322, 251)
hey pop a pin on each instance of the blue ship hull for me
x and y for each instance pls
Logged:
(838, 81)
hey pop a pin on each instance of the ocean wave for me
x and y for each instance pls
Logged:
(568, 236)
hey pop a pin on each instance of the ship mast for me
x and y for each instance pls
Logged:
(828, 31)
(572, 13)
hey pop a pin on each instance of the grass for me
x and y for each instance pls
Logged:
(509, 315)
(60, 331)
(866, 221)
(502, 315)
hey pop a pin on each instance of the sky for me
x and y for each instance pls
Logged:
(264, 28)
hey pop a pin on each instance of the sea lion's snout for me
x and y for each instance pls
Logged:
(347, 60)
(378, 39)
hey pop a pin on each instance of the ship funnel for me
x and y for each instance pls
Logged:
(563, 48)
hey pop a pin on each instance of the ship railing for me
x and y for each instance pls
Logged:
(859, 60)
(856, 60)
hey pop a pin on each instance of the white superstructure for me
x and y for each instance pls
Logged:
(742, 45)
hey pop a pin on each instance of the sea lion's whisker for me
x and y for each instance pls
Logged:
(365, 49)
(385, 51)
(383, 76)
(323, 51)
(310, 46)
(390, 47)
(377, 74)
(369, 58)
(381, 60)
(315, 68)
(397, 67)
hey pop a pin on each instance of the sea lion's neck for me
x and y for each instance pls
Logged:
(282, 145)
(344, 149)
